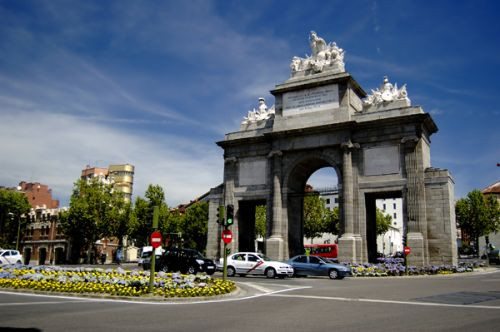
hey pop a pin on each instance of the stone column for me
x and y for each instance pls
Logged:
(347, 242)
(415, 202)
(275, 245)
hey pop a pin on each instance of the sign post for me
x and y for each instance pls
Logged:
(156, 211)
(407, 251)
(227, 237)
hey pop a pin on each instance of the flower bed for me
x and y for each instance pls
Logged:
(116, 282)
(396, 267)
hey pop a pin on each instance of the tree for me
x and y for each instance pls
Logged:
(93, 209)
(382, 222)
(140, 225)
(13, 205)
(314, 208)
(142, 217)
(477, 215)
(260, 221)
(195, 226)
(332, 221)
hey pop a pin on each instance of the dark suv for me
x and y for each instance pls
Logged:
(184, 260)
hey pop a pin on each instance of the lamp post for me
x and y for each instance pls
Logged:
(18, 228)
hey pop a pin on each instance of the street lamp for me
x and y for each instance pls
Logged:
(18, 228)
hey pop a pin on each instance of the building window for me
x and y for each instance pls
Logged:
(395, 215)
(394, 205)
(336, 199)
(395, 223)
(384, 206)
(327, 201)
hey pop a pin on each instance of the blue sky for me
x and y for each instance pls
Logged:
(157, 83)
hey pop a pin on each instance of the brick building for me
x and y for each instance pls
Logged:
(42, 241)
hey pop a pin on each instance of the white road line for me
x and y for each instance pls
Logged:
(36, 303)
(257, 287)
(96, 300)
(429, 304)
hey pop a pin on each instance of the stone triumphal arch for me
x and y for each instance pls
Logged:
(379, 145)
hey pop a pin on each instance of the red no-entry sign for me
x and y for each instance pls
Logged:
(155, 239)
(407, 251)
(227, 236)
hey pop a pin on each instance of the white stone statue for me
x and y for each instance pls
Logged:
(324, 57)
(259, 114)
(386, 93)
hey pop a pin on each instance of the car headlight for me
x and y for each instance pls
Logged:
(200, 261)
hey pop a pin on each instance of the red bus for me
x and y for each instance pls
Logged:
(322, 250)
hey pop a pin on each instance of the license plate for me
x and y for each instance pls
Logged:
(210, 267)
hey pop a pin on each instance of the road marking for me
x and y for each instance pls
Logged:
(96, 300)
(429, 304)
(36, 303)
(257, 287)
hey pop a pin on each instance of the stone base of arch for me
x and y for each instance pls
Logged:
(275, 247)
(415, 241)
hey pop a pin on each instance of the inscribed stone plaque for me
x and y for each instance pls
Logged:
(381, 160)
(252, 172)
(311, 100)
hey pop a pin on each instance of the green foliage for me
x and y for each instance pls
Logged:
(13, 205)
(314, 210)
(260, 221)
(195, 226)
(95, 211)
(332, 221)
(141, 221)
(478, 215)
(382, 222)
(318, 218)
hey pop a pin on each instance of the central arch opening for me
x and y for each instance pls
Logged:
(313, 197)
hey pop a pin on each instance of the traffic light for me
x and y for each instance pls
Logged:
(220, 214)
(229, 214)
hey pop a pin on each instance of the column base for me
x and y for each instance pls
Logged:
(275, 248)
(347, 248)
(359, 249)
(415, 241)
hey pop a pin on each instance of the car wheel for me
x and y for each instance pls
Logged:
(230, 271)
(18, 262)
(333, 274)
(191, 269)
(270, 273)
(164, 268)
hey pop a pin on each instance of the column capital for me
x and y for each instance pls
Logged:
(275, 153)
(230, 160)
(349, 145)
(410, 140)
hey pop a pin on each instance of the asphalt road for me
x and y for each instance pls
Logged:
(437, 303)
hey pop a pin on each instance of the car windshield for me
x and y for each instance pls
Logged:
(264, 258)
(194, 254)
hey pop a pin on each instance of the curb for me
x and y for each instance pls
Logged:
(146, 298)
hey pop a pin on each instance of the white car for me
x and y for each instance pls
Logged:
(8, 256)
(145, 254)
(244, 263)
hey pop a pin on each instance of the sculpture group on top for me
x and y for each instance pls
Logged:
(259, 114)
(324, 57)
(386, 93)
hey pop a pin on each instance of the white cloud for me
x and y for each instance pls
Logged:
(53, 149)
